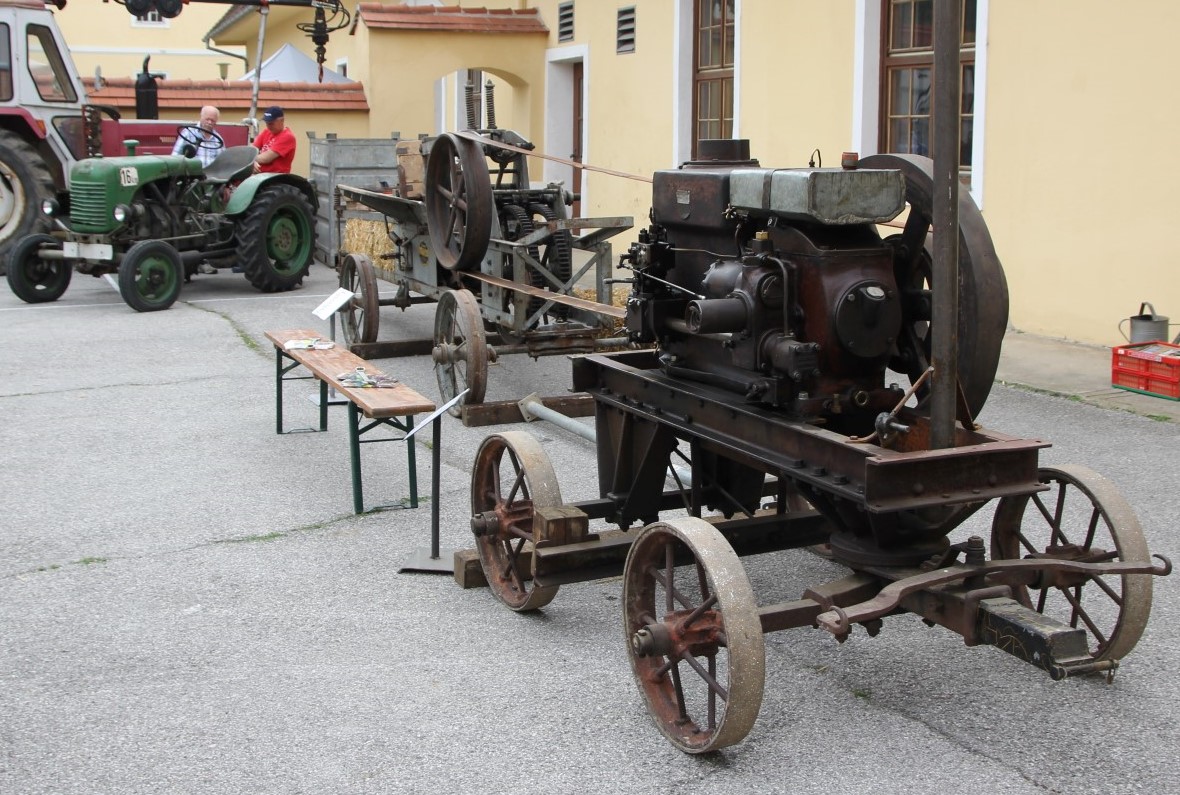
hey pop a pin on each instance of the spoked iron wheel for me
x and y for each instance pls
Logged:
(693, 634)
(512, 476)
(983, 290)
(360, 317)
(1082, 518)
(460, 349)
(459, 205)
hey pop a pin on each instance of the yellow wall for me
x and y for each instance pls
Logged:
(1079, 189)
(630, 116)
(403, 68)
(103, 34)
(796, 77)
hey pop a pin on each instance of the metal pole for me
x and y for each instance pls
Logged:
(264, 11)
(435, 477)
(945, 326)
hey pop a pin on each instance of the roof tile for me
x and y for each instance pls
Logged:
(453, 19)
(232, 94)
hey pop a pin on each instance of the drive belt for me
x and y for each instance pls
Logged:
(470, 136)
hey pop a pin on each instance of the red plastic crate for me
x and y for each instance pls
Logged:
(1152, 368)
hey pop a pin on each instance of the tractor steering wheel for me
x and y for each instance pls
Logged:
(194, 135)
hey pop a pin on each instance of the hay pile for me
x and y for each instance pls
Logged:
(366, 237)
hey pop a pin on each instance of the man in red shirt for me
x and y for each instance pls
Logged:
(275, 144)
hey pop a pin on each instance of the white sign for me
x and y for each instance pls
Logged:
(333, 303)
(129, 177)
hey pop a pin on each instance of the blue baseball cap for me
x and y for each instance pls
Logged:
(272, 113)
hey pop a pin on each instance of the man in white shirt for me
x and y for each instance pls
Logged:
(203, 146)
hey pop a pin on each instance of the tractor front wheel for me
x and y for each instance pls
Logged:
(150, 274)
(276, 239)
(33, 279)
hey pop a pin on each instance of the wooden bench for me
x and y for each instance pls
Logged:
(394, 407)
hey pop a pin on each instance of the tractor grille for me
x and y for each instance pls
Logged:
(88, 208)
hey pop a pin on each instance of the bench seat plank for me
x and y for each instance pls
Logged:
(374, 402)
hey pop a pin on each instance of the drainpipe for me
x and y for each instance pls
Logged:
(264, 10)
(245, 61)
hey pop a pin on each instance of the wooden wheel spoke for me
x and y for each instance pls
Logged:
(1092, 529)
(1104, 586)
(700, 611)
(1052, 520)
(681, 706)
(1080, 612)
(710, 679)
(673, 594)
(669, 577)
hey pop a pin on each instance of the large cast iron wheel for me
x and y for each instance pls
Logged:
(459, 205)
(1082, 518)
(983, 290)
(276, 238)
(150, 275)
(693, 634)
(24, 182)
(360, 317)
(460, 349)
(35, 280)
(512, 477)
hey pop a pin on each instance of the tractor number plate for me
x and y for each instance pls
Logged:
(99, 251)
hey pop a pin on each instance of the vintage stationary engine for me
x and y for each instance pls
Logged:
(779, 302)
(776, 285)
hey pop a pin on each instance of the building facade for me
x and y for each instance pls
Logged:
(1060, 109)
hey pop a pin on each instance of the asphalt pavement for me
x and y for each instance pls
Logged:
(189, 605)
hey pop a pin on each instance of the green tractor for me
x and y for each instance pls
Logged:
(156, 220)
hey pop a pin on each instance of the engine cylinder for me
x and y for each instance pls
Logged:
(716, 316)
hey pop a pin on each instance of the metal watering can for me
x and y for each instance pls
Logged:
(1145, 326)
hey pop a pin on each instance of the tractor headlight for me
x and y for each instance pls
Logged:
(50, 207)
(123, 213)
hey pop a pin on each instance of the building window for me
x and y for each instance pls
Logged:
(713, 70)
(908, 65)
(342, 67)
(47, 67)
(565, 21)
(625, 36)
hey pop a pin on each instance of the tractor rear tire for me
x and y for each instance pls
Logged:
(276, 239)
(24, 182)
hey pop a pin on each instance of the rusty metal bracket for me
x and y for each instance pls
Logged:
(839, 621)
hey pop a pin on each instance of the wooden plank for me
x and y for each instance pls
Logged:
(392, 349)
(328, 365)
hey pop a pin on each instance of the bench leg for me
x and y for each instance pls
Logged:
(323, 405)
(412, 463)
(280, 372)
(278, 390)
(354, 452)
